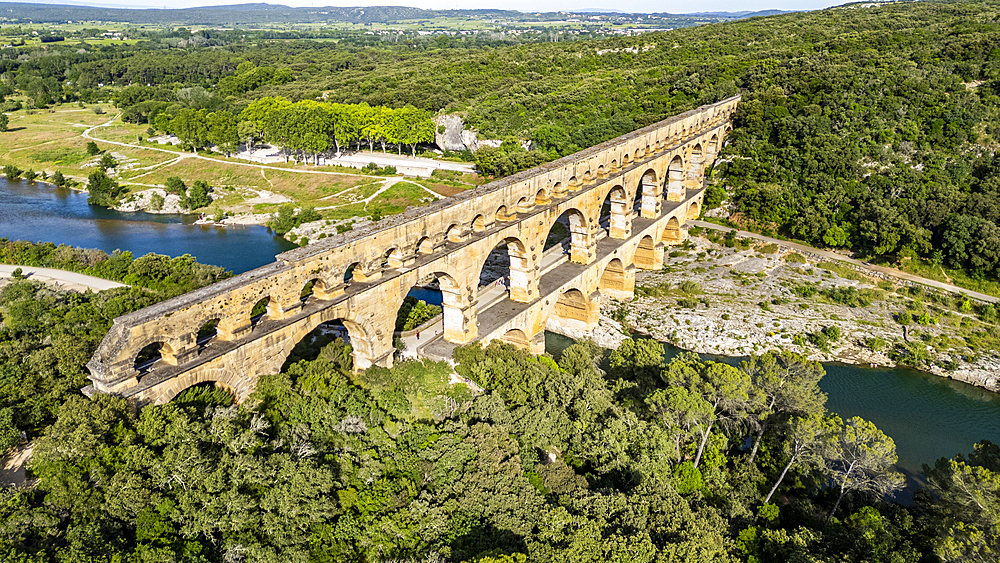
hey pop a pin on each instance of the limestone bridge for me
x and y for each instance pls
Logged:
(652, 178)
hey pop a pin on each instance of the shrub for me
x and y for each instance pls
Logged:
(92, 149)
(904, 318)
(12, 172)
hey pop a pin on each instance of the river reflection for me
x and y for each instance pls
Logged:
(38, 211)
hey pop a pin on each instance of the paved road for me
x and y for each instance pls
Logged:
(388, 159)
(60, 278)
(835, 256)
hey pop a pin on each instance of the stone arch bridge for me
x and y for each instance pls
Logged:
(652, 178)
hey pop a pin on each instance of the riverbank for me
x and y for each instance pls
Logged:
(714, 299)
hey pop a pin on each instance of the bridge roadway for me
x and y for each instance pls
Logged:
(648, 182)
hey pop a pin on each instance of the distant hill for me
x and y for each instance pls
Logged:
(260, 13)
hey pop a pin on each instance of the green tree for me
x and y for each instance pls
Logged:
(92, 148)
(103, 189)
(107, 161)
(4, 121)
(196, 196)
(789, 384)
(223, 131)
(860, 460)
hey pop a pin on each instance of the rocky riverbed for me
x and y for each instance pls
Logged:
(714, 299)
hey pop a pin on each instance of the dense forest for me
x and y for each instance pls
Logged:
(871, 127)
(47, 336)
(593, 458)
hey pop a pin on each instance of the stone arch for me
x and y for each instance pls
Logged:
(647, 152)
(454, 234)
(588, 177)
(425, 246)
(576, 310)
(713, 149)
(672, 233)
(363, 351)
(648, 195)
(542, 197)
(619, 216)
(579, 229)
(646, 255)
(616, 281)
(260, 310)
(516, 337)
(614, 164)
(501, 214)
(523, 283)
(573, 183)
(600, 172)
(558, 189)
(479, 224)
(350, 271)
(190, 379)
(626, 160)
(675, 179)
(696, 167)
(309, 289)
(152, 351)
(393, 258)
(693, 210)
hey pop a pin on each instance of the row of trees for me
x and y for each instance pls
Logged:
(305, 127)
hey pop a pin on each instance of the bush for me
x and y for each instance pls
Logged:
(12, 172)
(904, 318)
(58, 179)
(92, 149)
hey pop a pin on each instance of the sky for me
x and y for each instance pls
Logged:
(636, 6)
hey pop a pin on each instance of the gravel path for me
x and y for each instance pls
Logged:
(60, 278)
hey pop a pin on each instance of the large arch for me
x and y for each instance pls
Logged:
(672, 233)
(616, 218)
(713, 148)
(517, 275)
(693, 210)
(617, 281)
(648, 255)
(362, 350)
(193, 378)
(649, 195)
(516, 337)
(576, 310)
(675, 179)
(577, 227)
(696, 167)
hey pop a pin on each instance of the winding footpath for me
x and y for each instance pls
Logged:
(840, 257)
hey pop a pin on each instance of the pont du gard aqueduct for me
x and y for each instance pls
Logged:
(620, 203)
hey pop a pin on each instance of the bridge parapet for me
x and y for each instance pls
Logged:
(364, 274)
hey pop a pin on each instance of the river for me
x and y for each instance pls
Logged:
(928, 417)
(38, 211)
